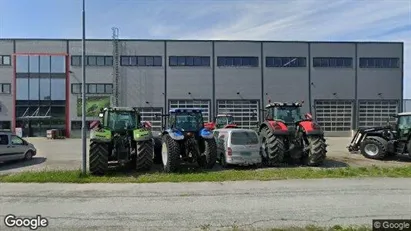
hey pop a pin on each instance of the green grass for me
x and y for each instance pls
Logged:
(75, 176)
(307, 228)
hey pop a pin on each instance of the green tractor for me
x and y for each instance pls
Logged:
(120, 136)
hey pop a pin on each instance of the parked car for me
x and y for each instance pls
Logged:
(13, 147)
(238, 146)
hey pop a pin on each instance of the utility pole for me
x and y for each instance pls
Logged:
(83, 94)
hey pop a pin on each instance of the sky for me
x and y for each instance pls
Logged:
(311, 20)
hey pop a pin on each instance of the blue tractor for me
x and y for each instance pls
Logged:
(186, 140)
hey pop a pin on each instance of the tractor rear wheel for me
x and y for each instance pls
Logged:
(273, 147)
(209, 157)
(145, 152)
(317, 151)
(98, 158)
(170, 153)
(374, 147)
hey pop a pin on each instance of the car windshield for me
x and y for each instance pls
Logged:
(404, 122)
(288, 114)
(188, 121)
(119, 120)
(244, 138)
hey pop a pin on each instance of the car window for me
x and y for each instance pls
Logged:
(16, 140)
(244, 137)
(4, 139)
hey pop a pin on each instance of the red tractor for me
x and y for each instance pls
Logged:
(287, 136)
(221, 121)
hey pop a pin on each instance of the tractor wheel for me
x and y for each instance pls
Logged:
(209, 157)
(273, 147)
(170, 154)
(157, 150)
(374, 147)
(317, 151)
(98, 158)
(145, 152)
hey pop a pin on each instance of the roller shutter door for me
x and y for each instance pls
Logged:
(334, 115)
(376, 113)
(149, 114)
(203, 104)
(242, 111)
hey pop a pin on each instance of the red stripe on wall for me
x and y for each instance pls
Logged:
(14, 90)
(67, 96)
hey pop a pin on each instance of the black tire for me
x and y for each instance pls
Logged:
(317, 151)
(98, 158)
(28, 156)
(377, 143)
(209, 156)
(144, 155)
(172, 163)
(157, 151)
(274, 147)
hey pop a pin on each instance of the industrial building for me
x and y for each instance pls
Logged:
(344, 85)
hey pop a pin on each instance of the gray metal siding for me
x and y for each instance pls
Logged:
(6, 76)
(386, 81)
(38, 46)
(142, 84)
(332, 83)
(196, 80)
(230, 80)
(286, 84)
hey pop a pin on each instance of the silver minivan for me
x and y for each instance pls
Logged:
(238, 146)
(13, 147)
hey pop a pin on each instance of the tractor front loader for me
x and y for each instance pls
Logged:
(287, 136)
(186, 140)
(379, 142)
(120, 137)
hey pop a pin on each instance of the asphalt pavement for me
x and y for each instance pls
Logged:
(195, 206)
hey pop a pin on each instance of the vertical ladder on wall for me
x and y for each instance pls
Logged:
(116, 69)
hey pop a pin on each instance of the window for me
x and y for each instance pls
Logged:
(5, 125)
(237, 61)
(153, 61)
(5, 60)
(92, 60)
(22, 64)
(244, 138)
(93, 88)
(285, 62)
(16, 140)
(57, 64)
(339, 62)
(379, 63)
(334, 115)
(191, 61)
(5, 88)
(4, 140)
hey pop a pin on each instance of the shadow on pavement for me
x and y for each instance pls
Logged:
(21, 163)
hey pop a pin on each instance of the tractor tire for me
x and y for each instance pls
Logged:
(317, 151)
(273, 147)
(374, 147)
(157, 151)
(170, 154)
(209, 156)
(98, 158)
(144, 155)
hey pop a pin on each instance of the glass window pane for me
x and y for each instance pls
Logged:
(91, 60)
(133, 61)
(22, 64)
(45, 89)
(75, 60)
(34, 63)
(100, 60)
(173, 61)
(181, 61)
(58, 64)
(197, 61)
(22, 89)
(92, 88)
(6, 88)
(125, 61)
(58, 89)
(34, 88)
(141, 61)
(109, 61)
(157, 61)
(190, 61)
(44, 64)
(150, 61)
(206, 61)
(6, 60)
(100, 88)
(109, 88)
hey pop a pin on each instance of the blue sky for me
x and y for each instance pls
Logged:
(382, 20)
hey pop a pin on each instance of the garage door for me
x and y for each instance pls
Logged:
(242, 111)
(203, 104)
(376, 113)
(334, 115)
(149, 114)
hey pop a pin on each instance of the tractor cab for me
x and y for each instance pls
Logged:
(288, 113)
(186, 120)
(403, 125)
(120, 119)
(224, 121)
